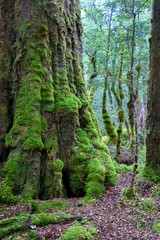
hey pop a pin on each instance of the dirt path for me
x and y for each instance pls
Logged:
(113, 218)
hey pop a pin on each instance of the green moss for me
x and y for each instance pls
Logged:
(130, 193)
(76, 233)
(121, 94)
(12, 225)
(91, 94)
(122, 168)
(92, 230)
(6, 195)
(44, 219)
(156, 226)
(156, 191)
(56, 165)
(96, 177)
(34, 206)
(33, 143)
(32, 235)
(13, 168)
(55, 204)
(109, 126)
(111, 175)
(121, 115)
(67, 103)
(151, 173)
(106, 140)
(80, 158)
(146, 204)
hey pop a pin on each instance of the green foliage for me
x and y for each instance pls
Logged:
(34, 206)
(76, 233)
(156, 191)
(122, 168)
(32, 235)
(156, 226)
(6, 195)
(129, 193)
(146, 204)
(152, 174)
(55, 204)
(44, 218)
(14, 224)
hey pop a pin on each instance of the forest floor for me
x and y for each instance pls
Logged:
(112, 216)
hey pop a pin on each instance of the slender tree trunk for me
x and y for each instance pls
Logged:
(53, 140)
(153, 106)
(106, 117)
(131, 86)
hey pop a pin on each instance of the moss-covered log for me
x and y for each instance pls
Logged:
(54, 135)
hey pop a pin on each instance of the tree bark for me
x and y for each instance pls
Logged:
(49, 140)
(153, 106)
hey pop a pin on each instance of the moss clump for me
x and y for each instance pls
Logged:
(109, 127)
(13, 169)
(80, 159)
(6, 195)
(76, 232)
(111, 175)
(122, 168)
(121, 94)
(55, 204)
(96, 177)
(11, 225)
(56, 165)
(44, 219)
(54, 181)
(32, 143)
(32, 235)
(34, 206)
(67, 103)
(91, 94)
(121, 115)
(106, 140)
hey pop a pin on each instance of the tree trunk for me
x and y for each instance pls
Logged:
(53, 141)
(153, 106)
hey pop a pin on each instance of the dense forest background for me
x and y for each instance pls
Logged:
(95, 19)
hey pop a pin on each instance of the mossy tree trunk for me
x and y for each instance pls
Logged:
(153, 106)
(53, 142)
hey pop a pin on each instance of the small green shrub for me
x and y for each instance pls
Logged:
(32, 235)
(146, 204)
(156, 226)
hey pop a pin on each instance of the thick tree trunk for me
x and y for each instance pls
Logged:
(153, 107)
(53, 142)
